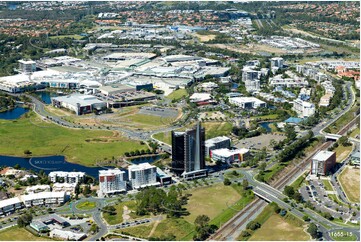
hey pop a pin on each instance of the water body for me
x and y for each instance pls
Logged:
(12, 6)
(266, 126)
(13, 113)
(49, 164)
(45, 96)
(148, 159)
(234, 85)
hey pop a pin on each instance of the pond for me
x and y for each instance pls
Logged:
(49, 164)
(13, 113)
(266, 126)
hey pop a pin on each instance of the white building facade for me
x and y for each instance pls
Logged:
(111, 181)
(142, 175)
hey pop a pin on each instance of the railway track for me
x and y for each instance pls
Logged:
(234, 223)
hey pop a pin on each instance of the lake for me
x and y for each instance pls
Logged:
(13, 113)
(49, 164)
(45, 96)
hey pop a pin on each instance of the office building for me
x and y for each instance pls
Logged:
(28, 66)
(111, 181)
(323, 162)
(142, 175)
(247, 102)
(67, 177)
(188, 152)
(229, 156)
(216, 143)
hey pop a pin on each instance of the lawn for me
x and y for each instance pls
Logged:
(343, 120)
(350, 181)
(279, 228)
(342, 235)
(176, 226)
(342, 152)
(72, 36)
(210, 201)
(118, 217)
(149, 120)
(86, 205)
(214, 129)
(297, 184)
(164, 137)
(327, 184)
(355, 132)
(79, 146)
(177, 94)
(265, 117)
(19, 234)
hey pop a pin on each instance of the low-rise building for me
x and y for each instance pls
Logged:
(27, 66)
(216, 143)
(10, 205)
(67, 177)
(79, 103)
(66, 235)
(228, 155)
(163, 178)
(39, 226)
(200, 97)
(142, 175)
(304, 109)
(323, 162)
(247, 102)
(38, 188)
(68, 188)
(111, 181)
(43, 198)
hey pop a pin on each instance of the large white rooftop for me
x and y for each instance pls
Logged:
(216, 139)
(43, 195)
(141, 166)
(74, 99)
(224, 152)
(323, 155)
(9, 202)
(110, 172)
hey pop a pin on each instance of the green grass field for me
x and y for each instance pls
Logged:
(177, 226)
(297, 184)
(277, 228)
(214, 129)
(19, 234)
(350, 181)
(342, 152)
(343, 120)
(342, 235)
(265, 117)
(164, 137)
(79, 146)
(149, 120)
(210, 201)
(72, 36)
(355, 132)
(86, 205)
(118, 217)
(177, 94)
(327, 184)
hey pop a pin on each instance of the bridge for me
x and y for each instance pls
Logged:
(333, 137)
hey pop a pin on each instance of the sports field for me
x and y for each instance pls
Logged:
(277, 228)
(42, 138)
(214, 129)
(350, 181)
(210, 201)
(19, 234)
(177, 94)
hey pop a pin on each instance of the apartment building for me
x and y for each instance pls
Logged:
(111, 181)
(142, 175)
(304, 109)
(67, 177)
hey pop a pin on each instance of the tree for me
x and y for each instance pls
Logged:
(201, 220)
(313, 231)
(262, 166)
(227, 182)
(245, 184)
(253, 225)
(245, 233)
(289, 191)
(27, 152)
(306, 218)
(343, 141)
(290, 132)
